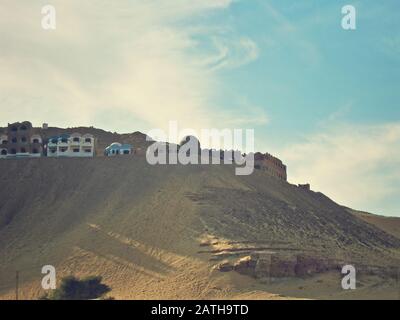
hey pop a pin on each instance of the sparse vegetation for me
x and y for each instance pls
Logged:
(72, 288)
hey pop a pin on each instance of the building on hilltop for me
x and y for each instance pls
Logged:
(3, 146)
(21, 140)
(306, 186)
(71, 145)
(117, 148)
(271, 164)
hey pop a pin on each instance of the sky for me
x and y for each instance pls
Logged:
(323, 99)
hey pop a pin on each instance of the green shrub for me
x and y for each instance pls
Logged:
(71, 288)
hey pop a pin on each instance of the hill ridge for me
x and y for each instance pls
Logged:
(147, 229)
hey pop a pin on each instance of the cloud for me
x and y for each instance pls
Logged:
(339, 114)
(356, 165)
(232, 53)
(244, 114)
(123, 66)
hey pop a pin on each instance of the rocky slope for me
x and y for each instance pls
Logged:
(180, 231)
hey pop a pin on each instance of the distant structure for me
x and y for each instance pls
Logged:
(71, 145)
(21, 140)
(271, 164)
(3, 146)
(117, 148)
(306, 186)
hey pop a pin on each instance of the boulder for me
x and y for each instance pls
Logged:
(246, 265)
(224, 266)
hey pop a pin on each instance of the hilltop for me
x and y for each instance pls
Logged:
(103, 138)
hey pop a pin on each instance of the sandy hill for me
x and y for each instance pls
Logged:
(183, 232)
(390, 225)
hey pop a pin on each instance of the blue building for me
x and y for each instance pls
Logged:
(117, 148)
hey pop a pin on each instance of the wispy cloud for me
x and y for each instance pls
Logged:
(357, 165)
(244, 114)
(337, 115)
(131, 60)
(232, 53)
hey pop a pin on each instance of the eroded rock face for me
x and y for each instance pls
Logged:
(280, 266)
(263, 267)
(308, 265)
(283, 266)
(246, 265)
(224, 266)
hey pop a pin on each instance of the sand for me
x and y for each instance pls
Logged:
(158, 232)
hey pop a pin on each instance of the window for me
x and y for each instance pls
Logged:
(64, 140)
(36, 151)
(63, 149)
(23, 139)
(4, 152)
(23, 127)
(126, 151)
(76, 150)
(88, 150)
(23, 150)
(88, 140)
(36, 140)
(14, 140)
(4, 142)
(14, 129)
(76, 139)
(13, 151)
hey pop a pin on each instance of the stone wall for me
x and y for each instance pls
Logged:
(279, 265)
(271, 164)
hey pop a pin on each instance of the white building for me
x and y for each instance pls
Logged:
(74, 145)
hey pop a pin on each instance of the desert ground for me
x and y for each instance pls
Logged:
(186, 232)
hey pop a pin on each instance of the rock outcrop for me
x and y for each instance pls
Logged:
(280, 266)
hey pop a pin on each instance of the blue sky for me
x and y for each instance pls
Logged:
(309, 70)
(312, 79)
(323, 99)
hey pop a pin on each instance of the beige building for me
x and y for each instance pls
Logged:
(21, 140)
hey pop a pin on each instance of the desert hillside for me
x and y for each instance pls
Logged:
(390, 225)
(183, 232)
